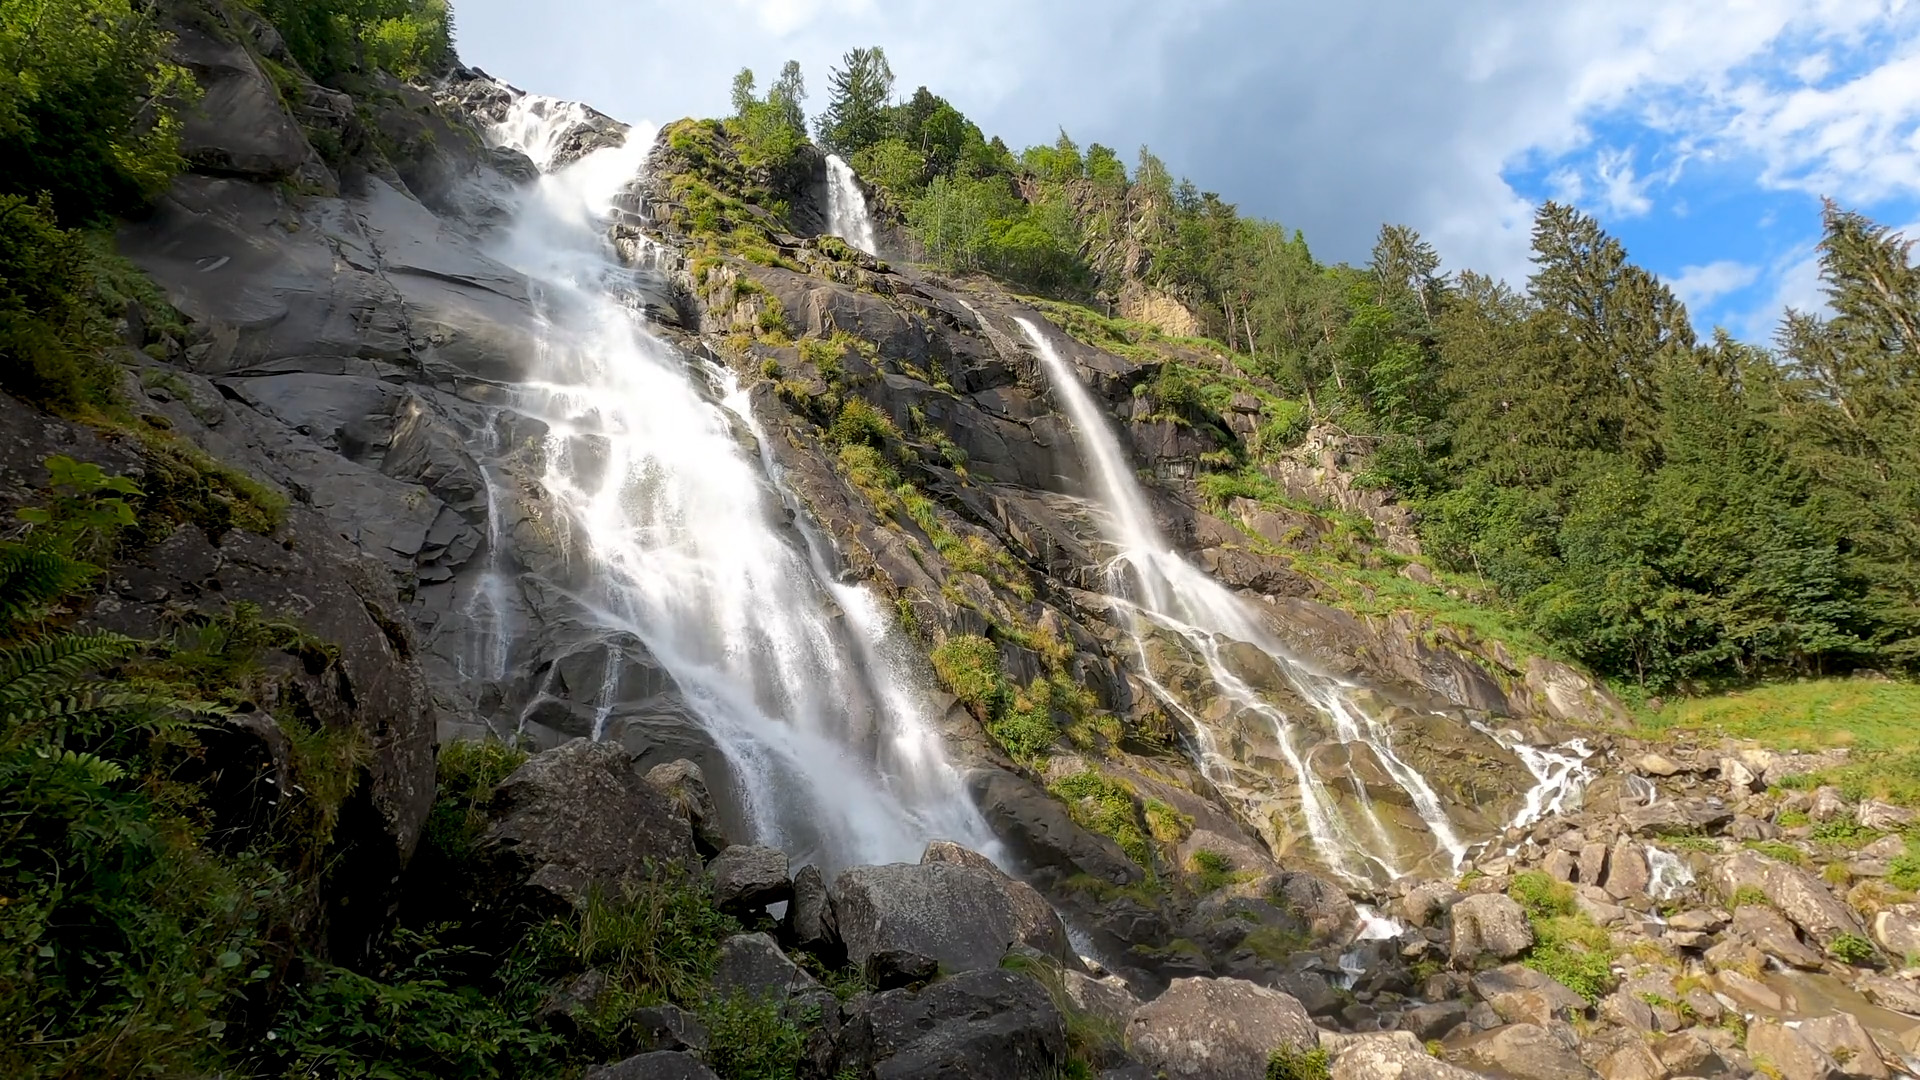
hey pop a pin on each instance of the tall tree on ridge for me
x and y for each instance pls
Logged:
(857, 104)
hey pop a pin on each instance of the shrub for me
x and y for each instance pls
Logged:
(860, 424)
(1748, 895)
(49, 329)
(969, 667)
(750, 1039)
(1851, 949)
(1290, 1063)
(1541, 896)
(410, 38)
(1212, 871)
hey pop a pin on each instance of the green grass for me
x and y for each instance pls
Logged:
(1875, 719)
(1106, 806)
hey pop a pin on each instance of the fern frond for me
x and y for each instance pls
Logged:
(98, 769)
(32, 578)
(54, 663)
(70, 706)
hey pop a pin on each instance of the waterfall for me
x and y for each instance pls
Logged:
(1667, 875)
(1154, 588)
(651, 485)
(1560, 773)
(847, 215)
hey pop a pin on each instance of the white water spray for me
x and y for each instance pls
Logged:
(1560, 773)
(847, 215)
(1667, 874)
(1156, 588)
(649, 485)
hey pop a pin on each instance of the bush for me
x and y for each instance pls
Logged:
(1289, 1063)
(50, 331)
(1541, 896)
(410, 38)
(1851, 949)
(750, 1039)
(860, 424)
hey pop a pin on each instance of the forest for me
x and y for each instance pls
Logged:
(1677, 513)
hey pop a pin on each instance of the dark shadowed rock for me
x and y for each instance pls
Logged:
(810, 923)
(748, 877)
(668, 1027)
(977, 1025)
(579, 816)
(1217, 1029)
(660, 1065)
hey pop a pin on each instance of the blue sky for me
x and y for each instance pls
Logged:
(1702, 133)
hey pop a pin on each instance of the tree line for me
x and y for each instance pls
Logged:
(1674, 511)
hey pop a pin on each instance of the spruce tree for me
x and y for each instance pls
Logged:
(857, 104)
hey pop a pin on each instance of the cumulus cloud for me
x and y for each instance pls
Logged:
(1699, 286)
(1333, 118)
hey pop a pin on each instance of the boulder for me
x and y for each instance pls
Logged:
(1897, 929)
(1844, 1039)
(1789, 1054)
(810, 923)
(1750, 992)
(659, 1065)
(685, 784)
(1634, 1060)
(578, 816)
(1385, 1056)
(976, 1025)
(1330, 916)
(1798, 895)
(1428, 902)
(668, 1027)
(1488, 925)
(1107, 1000)
(1770, 932)
(1899, 995)
(1527, 1050)
(753, 966)
(1518, 992)
(747, 878)
(1675, 816)
(1828, 805)
(946, 916)
(1627, 871)
(1432, 1021)
(1884, 817)
(1217, 1029)
(1686, 1053)
(1036, 925)
(1656, 765)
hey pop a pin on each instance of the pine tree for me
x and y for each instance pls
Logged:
(858, 99)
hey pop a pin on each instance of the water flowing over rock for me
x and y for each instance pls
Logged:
(847, 215)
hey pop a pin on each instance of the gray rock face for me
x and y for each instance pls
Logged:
(580, 816)
(1489, 925)
(753, 965)
(748, 877)
(977, 1025)
(1844, 1039)
(238, 127)
(1770, 932)
(1217, 1029)
(957, 917)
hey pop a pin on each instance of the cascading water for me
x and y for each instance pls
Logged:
(789, 671)
(1158, 590)
(1560, 773)
(1667, 875)
(847, 215)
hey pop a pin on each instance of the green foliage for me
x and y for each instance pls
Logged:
(1106, 806)
(1540, 895)
(1903, 871)
(50, 328)
(767, 133)
(861, 424)
(1293, 1063)
(750, 1039)
(969, 223)
(969, 667)
(412, 39)
(88, 107)
(1851, 949)
(1567, 945)
(1776, 849)
(1747, 895)
(468, 771)
(1211, 870)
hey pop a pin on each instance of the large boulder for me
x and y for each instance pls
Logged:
(810, 922)
(1789, 1054)
(1526, 1050)
(1844, 1038)
(752, 965)
(976, 1025)
(1799, 896)
(747, 878)
(1488, 925)
(580, 816)
(1771, 933)
(659, 1065)
(686, 784)
(1386, 1056)
(951, 917)
(1217, 1029)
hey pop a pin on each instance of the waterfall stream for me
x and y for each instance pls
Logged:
(651, 481)
(1154, 589)
(847, 215)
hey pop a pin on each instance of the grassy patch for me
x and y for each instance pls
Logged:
(1567, 945)
(1106, 806)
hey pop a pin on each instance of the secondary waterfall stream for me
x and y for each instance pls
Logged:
(652, 482)
(1157, 590)
(847, 215)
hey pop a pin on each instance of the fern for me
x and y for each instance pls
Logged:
(33, 578)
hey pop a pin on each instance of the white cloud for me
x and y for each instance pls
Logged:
(1625, 193)
(1332, 118)
(1700, 286)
